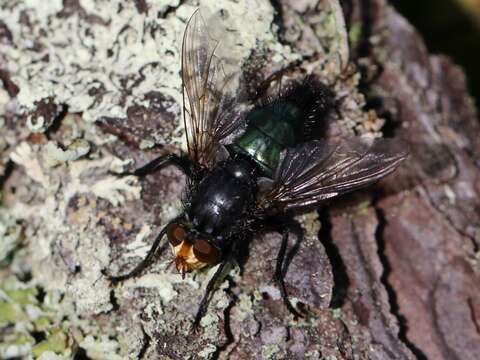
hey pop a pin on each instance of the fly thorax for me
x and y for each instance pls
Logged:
(223, 197)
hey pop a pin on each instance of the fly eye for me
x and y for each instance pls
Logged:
(176, 234)
(206, 252)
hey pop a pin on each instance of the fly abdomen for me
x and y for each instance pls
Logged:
(283, 123)
(271, 129)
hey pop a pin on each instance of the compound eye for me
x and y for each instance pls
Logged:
(206, 252)
(176, 234)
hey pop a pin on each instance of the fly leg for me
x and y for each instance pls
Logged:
(202, 309)
(183, 163)
(283, 262)
(146, 261)
(277, 76)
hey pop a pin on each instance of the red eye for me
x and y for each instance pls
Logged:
(206, 252)
(176, 234)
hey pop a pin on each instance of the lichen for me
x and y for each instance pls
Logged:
(10, 236)
(53, 316)
(55, 155)
(269, 351)
(207, 351)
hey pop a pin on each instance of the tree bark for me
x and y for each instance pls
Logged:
(92, 89)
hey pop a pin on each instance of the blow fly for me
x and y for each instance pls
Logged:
(248, 171)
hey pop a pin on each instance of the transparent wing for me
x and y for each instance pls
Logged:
(211, 109)
(317, 170)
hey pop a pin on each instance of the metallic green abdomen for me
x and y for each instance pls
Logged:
(270, 130)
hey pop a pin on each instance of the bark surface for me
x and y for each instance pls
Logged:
(391, 272)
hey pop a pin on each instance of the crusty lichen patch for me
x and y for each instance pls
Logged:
(101, 62)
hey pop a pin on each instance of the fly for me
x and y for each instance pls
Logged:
(255, 182)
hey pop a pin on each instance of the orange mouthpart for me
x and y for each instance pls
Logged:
(185, 259)
(182, 266)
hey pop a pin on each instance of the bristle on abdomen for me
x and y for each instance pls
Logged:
(315, 100)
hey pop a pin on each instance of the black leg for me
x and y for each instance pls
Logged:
(145, 262)
(208, 292)
(294, 228)
(277, 76)
(279, 274)
(183, 163)
(337, 104)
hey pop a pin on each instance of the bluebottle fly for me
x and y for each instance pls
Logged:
(276, 166)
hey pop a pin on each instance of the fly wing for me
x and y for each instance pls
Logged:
(211, 111)
(317, 170)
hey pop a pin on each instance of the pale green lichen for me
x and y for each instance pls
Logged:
(101, 347)
(164, 283)
(36, 124)
(337, 313)
(146, 144)
(10, 235)
(20, 306)
(91, 293)
(207, 351)
(208, 320)
(269, 351)
(309, 321)
(50, 355)
(330, 28)
(314, 354)
(24, 156)
(244, 308)
(117, 190)
(16, 345)
(54, 316)
(355, 33)
(56, 343)
(54, 155)
(139, 247)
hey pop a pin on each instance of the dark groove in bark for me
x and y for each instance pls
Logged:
(8, 171)
(341, 281)
(172, 9)
(392, 296)
(473, 315)
(57, 122)
(226, 325)
(146, 344)
(278, 20)
(448, 219)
